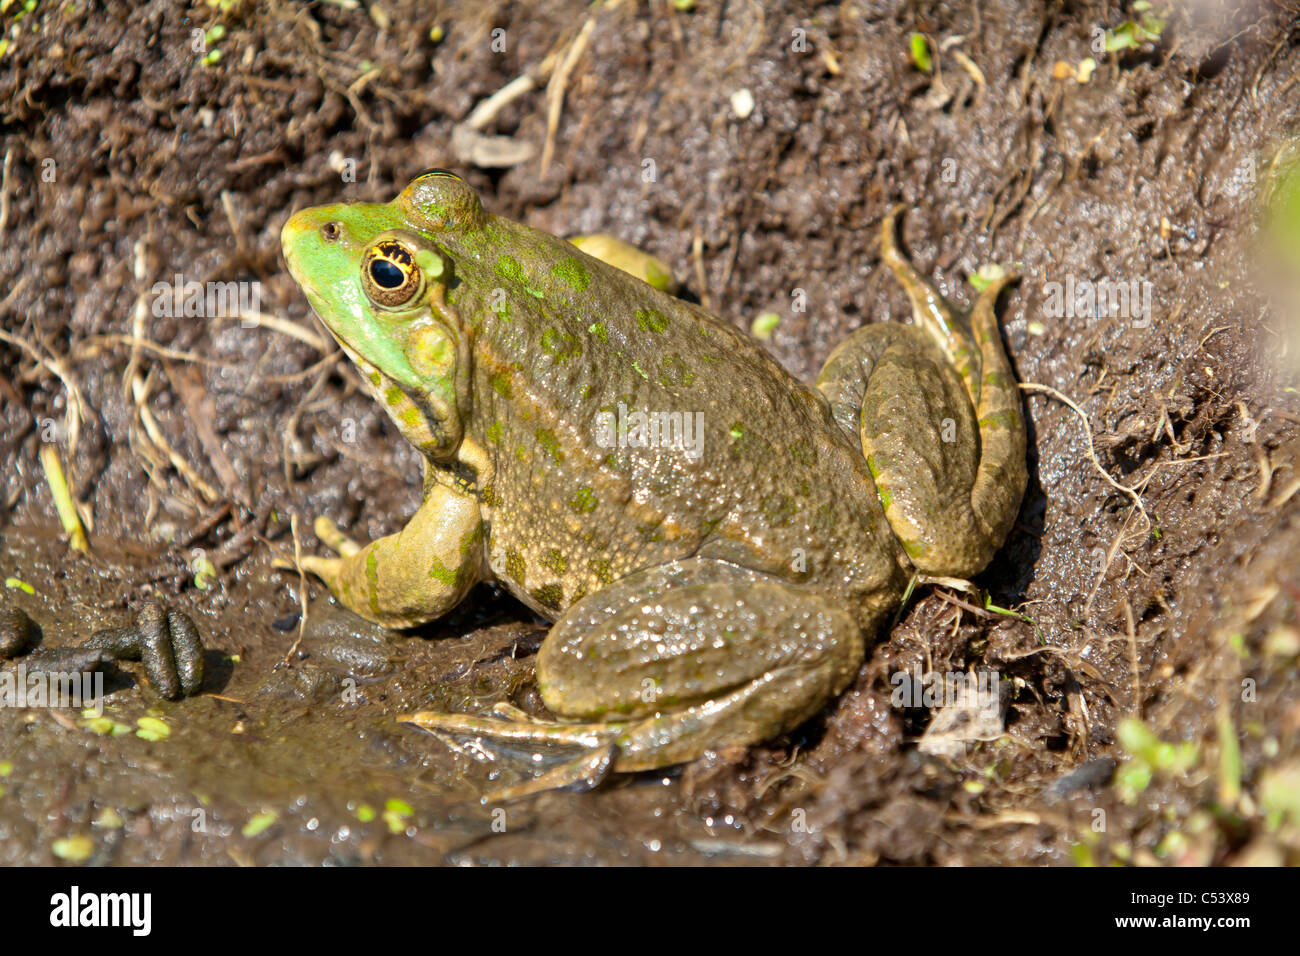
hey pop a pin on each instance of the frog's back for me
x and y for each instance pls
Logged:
(629, 428)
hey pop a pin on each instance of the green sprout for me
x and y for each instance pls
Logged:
(395, 815)
(152, 729)
(1134, 33)
(765, 325)
(259, 824)
(986, 275)
(920, 48)
(1149, 755)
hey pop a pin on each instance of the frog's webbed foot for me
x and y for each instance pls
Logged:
(673, 661)
(513, 725)
(937, 411)
(327, 569)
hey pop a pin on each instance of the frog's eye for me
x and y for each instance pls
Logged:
(389, 274)
(439, 200)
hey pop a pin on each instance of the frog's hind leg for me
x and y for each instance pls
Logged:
(937, 411)
(676, 660)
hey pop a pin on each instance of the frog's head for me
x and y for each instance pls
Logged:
(376, 276)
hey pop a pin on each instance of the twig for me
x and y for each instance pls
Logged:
(138, 316)
(1135, 678)
(63, 503)
(73, 417)
(556, 87)
(141, 395)
(1092, 453)
(4, 191)
(302, 588)
(198, 406)
(283, 326)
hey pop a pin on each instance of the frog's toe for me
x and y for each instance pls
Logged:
(588, 769)
(327, 569)
(585, 772)
(525, 729)
(334, 538)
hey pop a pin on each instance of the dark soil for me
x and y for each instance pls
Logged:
(129, 160)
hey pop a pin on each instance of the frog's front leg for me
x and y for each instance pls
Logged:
(673, 661)
(417, 574)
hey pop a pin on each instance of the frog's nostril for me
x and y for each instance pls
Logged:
(330, 231)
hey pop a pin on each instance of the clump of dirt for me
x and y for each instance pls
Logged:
(1147, 597)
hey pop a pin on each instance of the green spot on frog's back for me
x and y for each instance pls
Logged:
(583, 501)
(603, 569)
(516, 567)
(546, 438)
(554, 561)
(652, 320)
(508, 267)
(500, 382)
(549, 596)
(573, 273)
(560, 346)
(441, 573)
(674, 372)
(1007, 419)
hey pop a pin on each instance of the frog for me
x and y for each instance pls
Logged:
(715, 543)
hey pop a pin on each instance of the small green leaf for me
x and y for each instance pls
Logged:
(764, 325)
(260, 823)
(986, 275)
(75, 849)
(153, 729)
(921, 52)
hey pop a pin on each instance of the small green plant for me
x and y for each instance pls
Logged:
(1149, 755)
(215, 35)
(1134, 33)
(920, 49)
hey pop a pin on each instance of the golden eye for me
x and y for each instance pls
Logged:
(389, 274)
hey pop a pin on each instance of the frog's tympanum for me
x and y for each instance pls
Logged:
(714, 541)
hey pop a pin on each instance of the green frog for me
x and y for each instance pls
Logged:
(714, 541)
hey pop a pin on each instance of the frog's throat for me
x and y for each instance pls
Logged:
(434, 427)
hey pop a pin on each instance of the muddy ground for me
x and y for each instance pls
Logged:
(133, 153)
